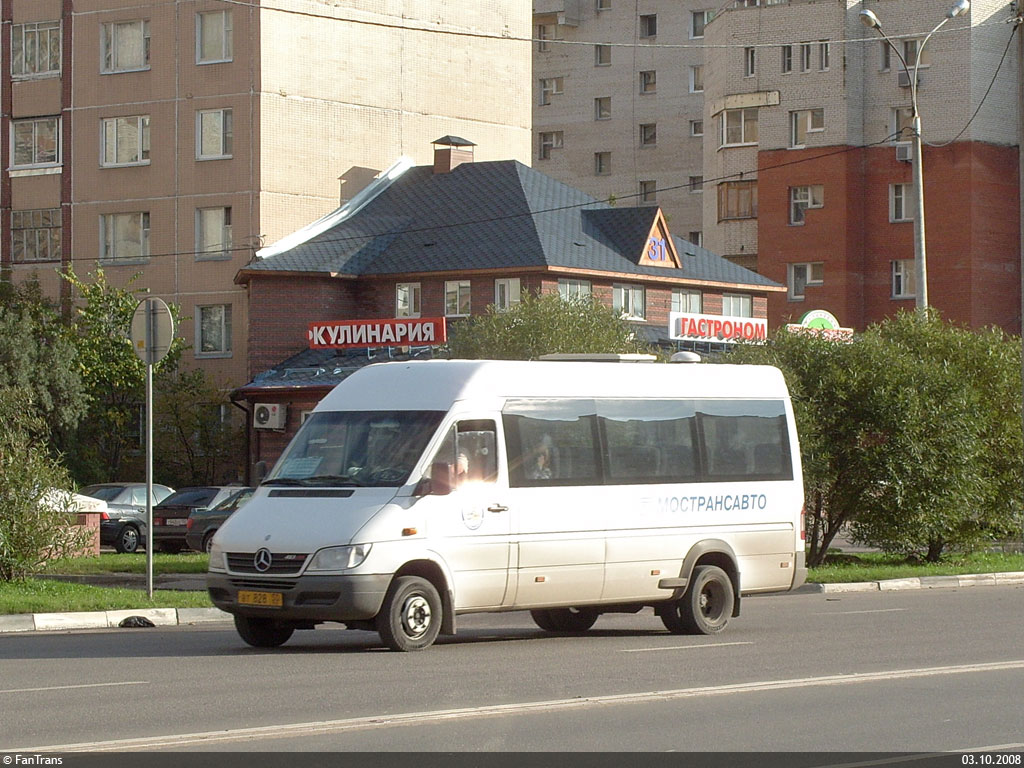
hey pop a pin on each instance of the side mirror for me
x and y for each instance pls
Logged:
(440, 478)
(259, 471)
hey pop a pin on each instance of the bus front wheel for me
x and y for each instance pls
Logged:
(705, 607)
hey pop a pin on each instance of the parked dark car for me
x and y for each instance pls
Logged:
(204, 521)
(123, 525)
(170, 516)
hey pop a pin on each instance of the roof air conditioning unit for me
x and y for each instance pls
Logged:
(269, 416)
(903, 79)
(904, 153)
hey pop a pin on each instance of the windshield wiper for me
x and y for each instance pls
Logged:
(327, 480)
(284, 481)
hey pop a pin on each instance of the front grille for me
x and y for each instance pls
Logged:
(258, 584)
(282, 564)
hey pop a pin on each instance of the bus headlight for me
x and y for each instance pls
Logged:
(339, 558)
(217, 562)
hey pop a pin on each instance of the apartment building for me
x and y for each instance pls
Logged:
(170, 139)
(810, 114)
(618, 101)
(800, 115)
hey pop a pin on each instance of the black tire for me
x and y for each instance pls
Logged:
(128, 540)
(170, 548)
(565, 619)
(208, 541)
(263, 633)
(705, 607)
(410, 618)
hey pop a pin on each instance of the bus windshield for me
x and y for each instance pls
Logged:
(355, 448)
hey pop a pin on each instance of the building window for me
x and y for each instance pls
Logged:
(696, 127)
(602, 163)
(698, 21)
(696, 237)
(803, 122)
(649, 25)
(737, 200)
(697, 78)
(899, 202)
(629, 300)
(214, 134)
(550, 86)
(824, 55)
(687, 300)
(739, 126)
(603, 5)
(805, 57)
(407, 300)
(35, 142)
(603, 108)
(213, 331)
(549, 140)
(737, 305)
(213, 37)
(696, 184)
(802, 198)
(545, 33)
(910, 54)
(506, 293)
(602, 55)
(787, 59)
(456, 298)
(36, 235)
(125, 46)
(885, 61)
(902, 124)
(35, 49)
(213, 232)
(648, 81)
(574, 289)
(648, 134)
(749, 62)
(124, 236)
(799, 276)
(648, 191)
(904, 279)
(125, 141)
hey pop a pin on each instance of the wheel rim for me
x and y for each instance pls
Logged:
(712, 601)
(129, 538)
(415, 616)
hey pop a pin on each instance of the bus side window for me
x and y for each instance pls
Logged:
(470, 451)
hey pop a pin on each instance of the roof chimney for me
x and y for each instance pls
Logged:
(451, 151)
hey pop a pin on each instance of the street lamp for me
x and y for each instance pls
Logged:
(869, 19)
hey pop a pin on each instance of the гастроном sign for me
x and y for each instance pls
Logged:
(685, 326)
(402, 332)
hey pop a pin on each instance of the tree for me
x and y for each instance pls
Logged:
(197, 432)
(540, 325)
(37, 512)
(910, 434)
(113, 375)
(35, 355)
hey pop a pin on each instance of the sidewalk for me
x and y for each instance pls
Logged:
(38, 622)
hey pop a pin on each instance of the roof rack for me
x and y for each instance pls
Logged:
(600, 357)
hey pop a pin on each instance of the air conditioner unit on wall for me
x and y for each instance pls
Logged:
(269, 416)
(904, 153)
(903, 79)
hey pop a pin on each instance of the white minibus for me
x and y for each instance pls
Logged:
(419, 491)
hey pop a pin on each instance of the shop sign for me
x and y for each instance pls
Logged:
(686, 326)
(820, 322)
(400, 332)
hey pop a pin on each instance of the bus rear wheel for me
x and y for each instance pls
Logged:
(705, 607)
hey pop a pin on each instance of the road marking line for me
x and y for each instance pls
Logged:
(72, 687)
(294, 730)
(680, 647)
(850, 613)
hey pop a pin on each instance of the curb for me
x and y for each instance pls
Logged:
(161, 617)
(924, 582)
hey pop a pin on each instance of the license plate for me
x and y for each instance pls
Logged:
(175, 521)
(266, 599)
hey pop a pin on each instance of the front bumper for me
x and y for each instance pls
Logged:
(309, 598)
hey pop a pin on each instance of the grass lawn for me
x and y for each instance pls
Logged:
(47, 596)
(108, 562)
(877, 566)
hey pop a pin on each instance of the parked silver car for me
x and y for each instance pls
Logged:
(123, 525)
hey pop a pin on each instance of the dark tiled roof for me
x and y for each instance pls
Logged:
(325, 367)
(492, 215)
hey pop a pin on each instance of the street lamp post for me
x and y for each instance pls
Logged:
(917, 174)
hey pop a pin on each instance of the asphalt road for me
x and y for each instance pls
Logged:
(918, 671)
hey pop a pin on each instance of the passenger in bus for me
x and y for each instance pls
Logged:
(540, 469)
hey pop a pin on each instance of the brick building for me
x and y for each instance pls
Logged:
(448, 240)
